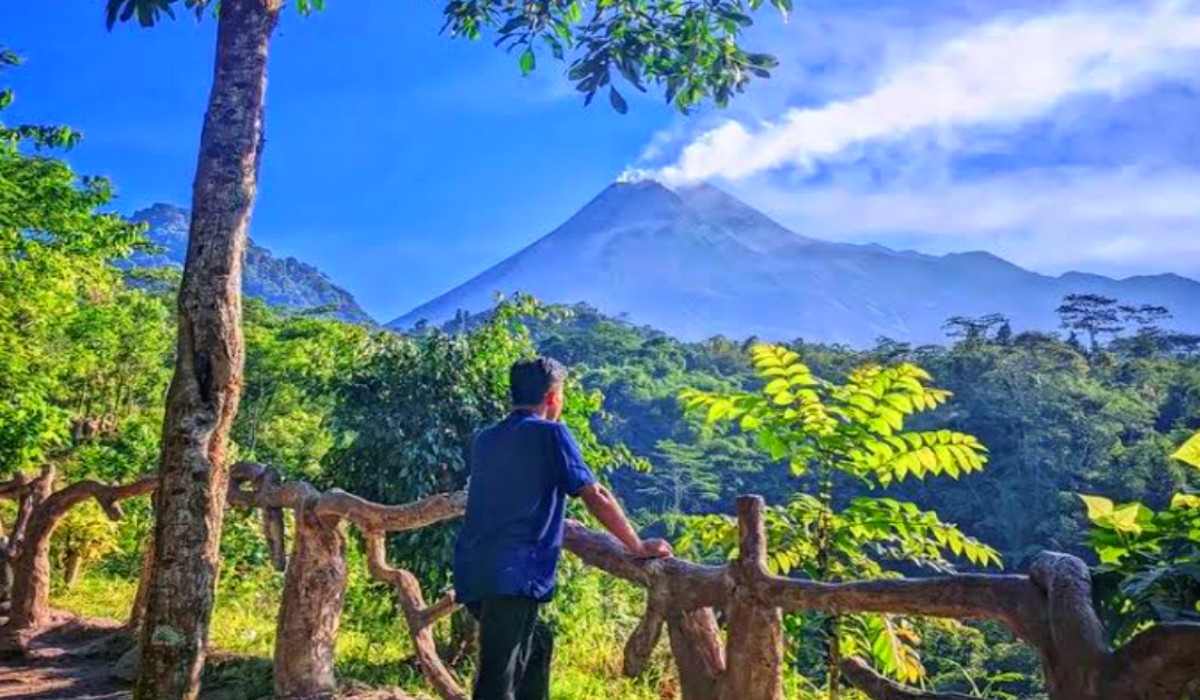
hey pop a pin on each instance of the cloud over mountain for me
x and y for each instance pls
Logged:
(1057, 134)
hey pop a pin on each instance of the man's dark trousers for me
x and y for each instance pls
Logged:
(514, 650)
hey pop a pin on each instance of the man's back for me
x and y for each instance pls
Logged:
(522, 470)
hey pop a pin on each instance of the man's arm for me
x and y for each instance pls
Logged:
(604, 505)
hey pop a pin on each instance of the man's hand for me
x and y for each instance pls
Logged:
(654, 549)
(604, 505)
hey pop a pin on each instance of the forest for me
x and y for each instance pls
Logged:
(895, 461)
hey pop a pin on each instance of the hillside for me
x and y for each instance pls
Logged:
(698, 262)
(285, 282)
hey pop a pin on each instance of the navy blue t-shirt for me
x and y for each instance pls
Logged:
(522, 470)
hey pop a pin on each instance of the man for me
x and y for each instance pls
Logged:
(522, 471)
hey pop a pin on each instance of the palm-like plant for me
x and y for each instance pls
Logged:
(856, 429)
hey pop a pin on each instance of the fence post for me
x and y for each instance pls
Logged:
(313, 593)
(755, 648)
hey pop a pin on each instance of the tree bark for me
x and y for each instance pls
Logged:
(313, 594)
(699, 653)
(207, 383)
(755, 627)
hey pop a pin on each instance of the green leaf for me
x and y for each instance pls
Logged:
(618, 102)
(1097, 507)
(528, 62)
(1125, 519)
(1189, 453)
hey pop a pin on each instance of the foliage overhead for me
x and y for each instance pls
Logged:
(73, 353)
(690, 50)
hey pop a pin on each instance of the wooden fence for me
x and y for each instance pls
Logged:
(1049, 608)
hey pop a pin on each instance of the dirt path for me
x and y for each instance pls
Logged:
(58, 672)
(74, 661)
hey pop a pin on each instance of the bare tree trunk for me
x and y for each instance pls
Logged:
(311, 611)
(755, 628)
(71, 568)
(207, 383)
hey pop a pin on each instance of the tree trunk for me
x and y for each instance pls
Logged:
(699, 653)
(311, 611)
(71, 569)
(207, 383)
(755, 628)
(29, 559)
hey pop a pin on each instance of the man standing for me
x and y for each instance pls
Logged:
(522, 470)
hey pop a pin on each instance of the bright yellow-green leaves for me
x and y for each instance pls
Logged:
(1148, 561)
(1119, 529)
(855, 428)
(857, 425)
(1189, 452)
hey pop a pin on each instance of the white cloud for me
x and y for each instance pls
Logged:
(1116, 221)
(1005, 71)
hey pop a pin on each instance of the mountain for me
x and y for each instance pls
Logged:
(697, 262)
(284, 282)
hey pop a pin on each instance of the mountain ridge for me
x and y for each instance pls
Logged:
(697, 262)
(285, 282)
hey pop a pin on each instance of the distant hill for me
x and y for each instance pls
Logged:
(698, 262)
(285, 282)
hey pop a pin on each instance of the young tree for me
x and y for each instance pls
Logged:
(853, 430)
(690, 50)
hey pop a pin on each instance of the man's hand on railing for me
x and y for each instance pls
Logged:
(654, 549)
(607, 509)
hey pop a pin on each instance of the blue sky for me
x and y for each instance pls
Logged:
(1062, 135)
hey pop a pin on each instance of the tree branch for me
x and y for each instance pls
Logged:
(878, 687)
(1011, 599)
(420, 618)
(373, 517)
(645, 636)
(686, 586)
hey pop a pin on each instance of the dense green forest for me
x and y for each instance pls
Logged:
(981, 462)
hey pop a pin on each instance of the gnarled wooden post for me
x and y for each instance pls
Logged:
(30, 606)
(755, 626)
(311, 613)
(699, 653)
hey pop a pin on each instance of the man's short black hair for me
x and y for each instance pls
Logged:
(530, 380)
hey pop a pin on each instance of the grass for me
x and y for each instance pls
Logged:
(592, 617)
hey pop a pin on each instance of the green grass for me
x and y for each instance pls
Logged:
(592, 618)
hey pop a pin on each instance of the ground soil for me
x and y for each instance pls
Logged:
(74, 659)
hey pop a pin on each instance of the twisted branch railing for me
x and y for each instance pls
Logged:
(1049, 608)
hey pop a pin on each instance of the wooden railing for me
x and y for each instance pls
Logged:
(1049, 608)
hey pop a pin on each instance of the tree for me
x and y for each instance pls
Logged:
(1092, 314)
(851, 430)
(689, 50)
(54, 277)
(975, 329)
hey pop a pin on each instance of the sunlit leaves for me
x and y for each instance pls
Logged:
(855, 428)
(1149, 561)
(890, 642)
(1189, 452)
